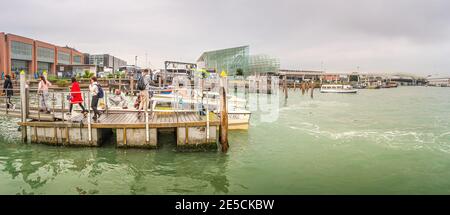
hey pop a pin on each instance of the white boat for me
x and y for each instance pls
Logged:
(238, 119)
(238, 116)
(337, 88)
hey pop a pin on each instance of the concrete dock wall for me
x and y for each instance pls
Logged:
(135, 137)
(66, 136)
(196, 137)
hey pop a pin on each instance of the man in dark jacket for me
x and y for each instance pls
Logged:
(8, 91)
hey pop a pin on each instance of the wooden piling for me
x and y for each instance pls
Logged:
(223, 120)
(303, 88)
(147, 131)
(38, 105)
(62, 106)
(23, 109)
(89, 117)
(132, 85)
(312, 89)
(285, 87)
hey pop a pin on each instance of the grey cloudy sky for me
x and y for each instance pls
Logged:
(410, 36)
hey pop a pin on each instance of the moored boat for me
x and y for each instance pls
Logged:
(337, 88)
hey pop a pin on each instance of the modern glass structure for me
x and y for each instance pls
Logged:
(233, 59)
(263, 64)
(229, 60)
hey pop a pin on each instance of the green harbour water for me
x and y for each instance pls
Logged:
(386, 141)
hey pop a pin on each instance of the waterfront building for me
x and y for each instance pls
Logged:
(263, 64)
(19, 53)
(233, 60)
(106, 61)
(301, 75)
(438, 81)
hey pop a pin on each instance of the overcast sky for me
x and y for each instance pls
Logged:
(411, 36)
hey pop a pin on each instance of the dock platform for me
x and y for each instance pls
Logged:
(190, 128)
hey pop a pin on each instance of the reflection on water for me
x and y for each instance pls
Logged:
(91, 168)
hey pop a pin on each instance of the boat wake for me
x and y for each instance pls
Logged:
(402, 139)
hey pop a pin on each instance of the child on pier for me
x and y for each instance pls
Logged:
(75, 96)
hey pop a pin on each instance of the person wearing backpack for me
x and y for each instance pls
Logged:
(8, 91)
(143, 87)
(97, 93)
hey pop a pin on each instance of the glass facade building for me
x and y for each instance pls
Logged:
(229, 60)
(233, 59)
(263, 64)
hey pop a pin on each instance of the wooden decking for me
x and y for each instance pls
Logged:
(128, 120)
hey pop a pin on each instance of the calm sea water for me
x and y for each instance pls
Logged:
(387, 141)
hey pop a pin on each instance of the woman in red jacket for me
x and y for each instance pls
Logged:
(75, 96)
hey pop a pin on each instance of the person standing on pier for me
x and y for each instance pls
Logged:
(8, 91)
(143, 87)
(94, 89)
(43, 93)
(75, 96)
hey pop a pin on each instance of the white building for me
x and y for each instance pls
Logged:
(439, 82)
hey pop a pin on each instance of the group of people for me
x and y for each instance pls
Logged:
(76, 98)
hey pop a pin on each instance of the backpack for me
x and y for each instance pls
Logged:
(141, 84)
(100, 93)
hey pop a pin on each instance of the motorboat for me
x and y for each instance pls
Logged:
(337, 88)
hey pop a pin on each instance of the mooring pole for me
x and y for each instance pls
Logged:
(120, 82)
(106, 103)
(303, 87)
(132, 85)
(207, 117)
(39, 105)
(23, 108)
(147, 133)
(285, 87)
(312, 89)
(89, 117)
(223, 120)
(62, 106)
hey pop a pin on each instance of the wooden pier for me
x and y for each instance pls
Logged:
(193, 130)
(190, 129)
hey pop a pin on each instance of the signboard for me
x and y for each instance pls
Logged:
(61, 68)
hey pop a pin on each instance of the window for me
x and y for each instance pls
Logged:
(21, 51)
(76, 59)
(63, 58)
(45, 55)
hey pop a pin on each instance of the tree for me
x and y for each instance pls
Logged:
(239, 72)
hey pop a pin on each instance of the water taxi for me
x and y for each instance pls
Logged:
(337, 88)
